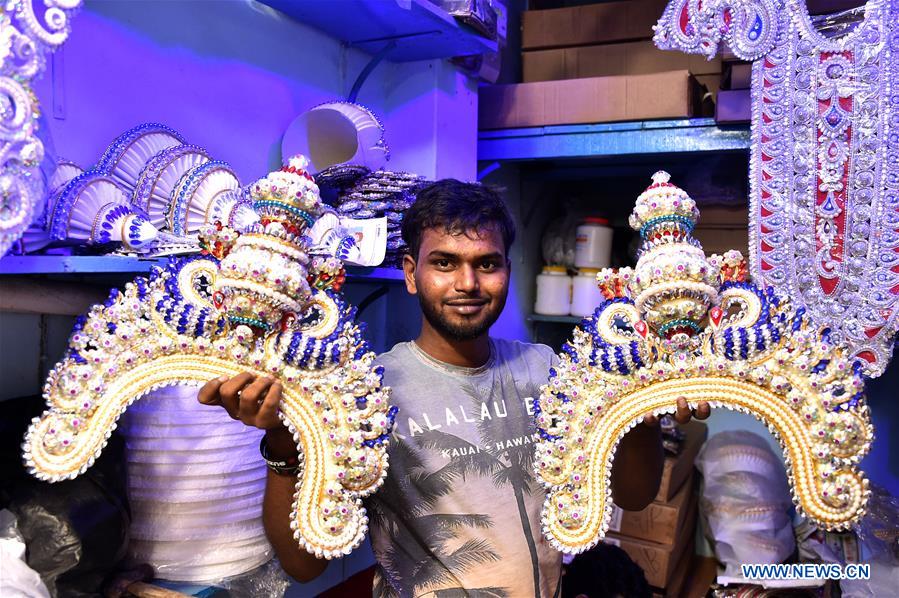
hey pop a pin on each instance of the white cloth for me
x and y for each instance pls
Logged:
(195, 486)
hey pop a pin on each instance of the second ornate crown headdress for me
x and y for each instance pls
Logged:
(681, 324)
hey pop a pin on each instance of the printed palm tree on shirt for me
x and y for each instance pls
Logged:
(412, 497)
(510, 465)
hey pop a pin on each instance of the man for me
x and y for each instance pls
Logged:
(459, 513)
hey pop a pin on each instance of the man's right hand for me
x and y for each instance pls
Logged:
(255, 402)
(252, 400)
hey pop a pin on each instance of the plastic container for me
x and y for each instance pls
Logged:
(585, 294)
(553, 291)
(593, 244)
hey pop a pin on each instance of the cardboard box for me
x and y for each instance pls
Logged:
(589, 24)
(722, 228)
(719, 240)
(677, 470)
(678, 580)
(737, 75)
(659, 561)
(734, 106)
(659, 522)
(631, 58)
(593, 100)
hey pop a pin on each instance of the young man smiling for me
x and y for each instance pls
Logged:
(459, 513)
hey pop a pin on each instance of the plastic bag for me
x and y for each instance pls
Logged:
(558, 241)
(875, 543)
(745, 501)
(76, 530)
(18, 579)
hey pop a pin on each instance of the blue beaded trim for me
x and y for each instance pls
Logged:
(271, 203)
(187, 186)
(59, 219)
(343, 248)
(254, 322)
(687, 223)
(152, 170)
(104, 234)
(676, 323)
(391, 419)
(114, 152)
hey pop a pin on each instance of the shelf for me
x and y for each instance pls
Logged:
(58, 264)
(359, 274)
(570, 320)
(76, 264)
(683, 136)
(421, 30)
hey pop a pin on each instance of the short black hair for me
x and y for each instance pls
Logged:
(456, 207)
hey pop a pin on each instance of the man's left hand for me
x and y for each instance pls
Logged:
(683, 414)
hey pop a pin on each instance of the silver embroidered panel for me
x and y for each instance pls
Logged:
(824, 168)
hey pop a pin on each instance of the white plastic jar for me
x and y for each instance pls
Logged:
(593, 244)
(553, 291)
(585, 294)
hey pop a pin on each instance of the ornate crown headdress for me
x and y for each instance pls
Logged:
(681, 324)
(256, 302)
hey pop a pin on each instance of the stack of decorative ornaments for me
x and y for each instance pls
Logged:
(383, 194)
(149, 191)
(347, 148)
(195, 486)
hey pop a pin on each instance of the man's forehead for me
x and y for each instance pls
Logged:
(480, 240)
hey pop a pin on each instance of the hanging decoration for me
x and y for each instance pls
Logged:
(337, 135)
(824, 169)
(258, 301)
(26, 37)
(681, 324)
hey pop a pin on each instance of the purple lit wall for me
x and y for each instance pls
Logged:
(231, 75)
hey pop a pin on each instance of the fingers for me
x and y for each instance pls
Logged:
(254, 401)
(703, 410)
(230, 393)
(683, 413)
(209, 394)
(650, 420)
(251, 397)
(267, 417)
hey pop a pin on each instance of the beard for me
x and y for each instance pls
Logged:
(464, 330)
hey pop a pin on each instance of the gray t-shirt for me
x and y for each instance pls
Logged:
(459, 513)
